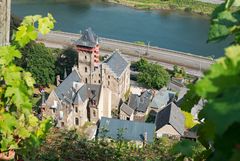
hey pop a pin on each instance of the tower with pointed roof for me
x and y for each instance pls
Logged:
(5, 6)
(88, 55)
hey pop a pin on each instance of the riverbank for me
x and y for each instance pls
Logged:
(191, 6)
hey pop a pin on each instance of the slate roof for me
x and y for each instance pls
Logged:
(66, 92)
(65, 88)
(81, 95)
(116, 63)
(171, 115)
(179, 89)
(94, 91)
(88, 91)
(132, 130)
(162, 98)
(126, 109)
(88, 39)
(140, 103)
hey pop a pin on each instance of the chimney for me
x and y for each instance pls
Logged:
(58, 80)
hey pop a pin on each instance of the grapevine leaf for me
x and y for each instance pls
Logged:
(7, 54)
(184, 147)
(23, 133)
(25, 34)
(33, 121)
(30, 20)
(218, 32)
(28, 78)
(45, 25)
(7, 122)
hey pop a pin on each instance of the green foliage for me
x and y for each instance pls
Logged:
(222, 93)
(225, 22)
(190, 99)
(38, 60)
(179, 72)
(151, 75)
(139, 42)
(68, 145)
(18, 125)
(140, 65)
(65, 60)
(189, 149)
(184, 5)
(27, 31)
(219, 132)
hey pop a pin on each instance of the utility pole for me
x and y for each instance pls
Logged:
(148, 44)
(5, 16)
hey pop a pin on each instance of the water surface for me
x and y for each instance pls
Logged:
(172, 30)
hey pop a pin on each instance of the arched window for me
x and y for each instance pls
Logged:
(85, 57)
(76, 109)
(85, 69)
(86, 81)
(76, 121)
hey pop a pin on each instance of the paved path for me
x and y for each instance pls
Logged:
(194, 64)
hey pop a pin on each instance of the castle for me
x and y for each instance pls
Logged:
(93, 89)
(5, 6)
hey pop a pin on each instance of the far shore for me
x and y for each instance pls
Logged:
(194, 7)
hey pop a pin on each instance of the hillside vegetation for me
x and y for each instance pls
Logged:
(184, 5)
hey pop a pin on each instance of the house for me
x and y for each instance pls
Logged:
(113, 73)
(93, 89)
(128, 130)
(197, 108)
(126, 112)
(160, 100)
(140, 104)
(170, 122)
(73, 103)
(116, 76)
(180, 90)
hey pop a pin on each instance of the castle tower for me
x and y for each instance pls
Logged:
(88, 55)
(5, 15)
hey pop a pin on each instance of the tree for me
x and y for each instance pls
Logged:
(219, 132)
(179, 72)
(20, 130)
(38, 60)
(152, 75)
(66, 59)
(141, 64)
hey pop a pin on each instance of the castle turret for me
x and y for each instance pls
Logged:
(88, 54)
(5, 14)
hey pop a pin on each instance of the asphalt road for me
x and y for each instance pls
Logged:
(194, 64)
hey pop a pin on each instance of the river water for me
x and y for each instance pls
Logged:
(172, 30)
